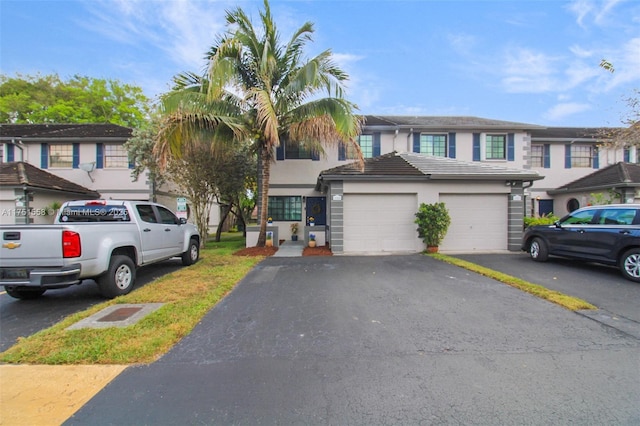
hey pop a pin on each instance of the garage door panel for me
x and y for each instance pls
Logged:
(380, 223)
(478, 222)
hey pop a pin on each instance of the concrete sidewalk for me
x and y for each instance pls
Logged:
(290, 249)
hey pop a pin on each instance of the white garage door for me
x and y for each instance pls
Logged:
(375, 223)
(478, 222)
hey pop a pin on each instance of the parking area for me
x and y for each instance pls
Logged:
(600, 285)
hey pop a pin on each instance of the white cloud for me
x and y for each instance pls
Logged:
(580, 51)
(561, 111)
(527, 71)
(183, 29)
(461, 42)
(581, 8)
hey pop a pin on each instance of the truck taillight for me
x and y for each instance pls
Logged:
(71, 244)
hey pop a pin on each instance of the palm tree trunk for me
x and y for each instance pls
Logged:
(265, 160)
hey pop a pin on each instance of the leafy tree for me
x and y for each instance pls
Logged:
(235, 180)
(261, 90)
(629, 134)
(49, 99)
(194, 175)
(140, 148)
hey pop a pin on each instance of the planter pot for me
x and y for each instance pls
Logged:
(294, 238)
(312, 243)
(432, 249)
(269, 243)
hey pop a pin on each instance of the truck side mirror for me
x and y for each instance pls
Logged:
(182, 221)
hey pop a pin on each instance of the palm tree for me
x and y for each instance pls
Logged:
(260, 89)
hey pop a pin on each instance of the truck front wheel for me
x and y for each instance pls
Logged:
(192, 254)
(24, 293)
(119, 278)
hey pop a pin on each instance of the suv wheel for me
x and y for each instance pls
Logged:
(630, 264)
(538, 250)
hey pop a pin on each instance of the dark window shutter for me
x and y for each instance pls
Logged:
(547, 156)
(341, 152)
(280, 150)
(511, 147)
(11, 149)
(44, 155)
(627, 155)
(315, 155)
(452, 145)
(416, 142)
(476, 147)
(596, 158)
(567, 156)
(376, 144)
(99, 155)
(76, 155)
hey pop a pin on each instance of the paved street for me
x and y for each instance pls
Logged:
(381, 340)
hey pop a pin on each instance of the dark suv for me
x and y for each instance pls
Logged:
(607, 234)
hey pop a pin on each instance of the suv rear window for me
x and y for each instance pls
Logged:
(95, 213)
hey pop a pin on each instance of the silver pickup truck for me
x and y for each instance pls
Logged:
(103, 240)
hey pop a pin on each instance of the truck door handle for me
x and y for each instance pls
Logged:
(146, 230)
(625, 232)
(581, 231)
(167, 229)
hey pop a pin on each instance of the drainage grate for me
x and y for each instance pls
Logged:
(120, 314)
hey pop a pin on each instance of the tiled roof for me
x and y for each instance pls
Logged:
(567, 133)
(411, 165)
(18, 174)
(444, 122)
(617, 175)
(62, 131)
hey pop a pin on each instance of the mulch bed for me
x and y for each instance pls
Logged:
(270, 251)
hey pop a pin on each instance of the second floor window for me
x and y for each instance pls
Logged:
(537, 156)
(366, 145)
(581, 156)
(297, 151)
(115, 156)
(61, 155)
(496, 147)
(435, 145)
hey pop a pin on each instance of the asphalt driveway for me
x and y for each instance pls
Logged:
(380, 340)
(600, 285)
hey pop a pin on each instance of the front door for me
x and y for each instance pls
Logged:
(317, 209)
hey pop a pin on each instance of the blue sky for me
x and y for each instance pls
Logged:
(526, 61)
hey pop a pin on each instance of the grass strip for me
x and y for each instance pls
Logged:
(569, 302)
(188, 294)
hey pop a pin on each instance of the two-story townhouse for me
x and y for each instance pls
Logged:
(81, 160)
(570, 154)
(476, 166)
(90, 155)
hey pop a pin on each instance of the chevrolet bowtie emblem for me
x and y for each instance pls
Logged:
(11, 245)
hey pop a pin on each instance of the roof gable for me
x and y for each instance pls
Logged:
(619, 174)
(19, 174)
(413, 165)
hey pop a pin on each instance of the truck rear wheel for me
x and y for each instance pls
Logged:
(24, 293)
(192, 254)
(119, 278)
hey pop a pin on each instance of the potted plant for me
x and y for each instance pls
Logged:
(312, 221)
(269, 241)
(312, 240)
(294, 231)
(433, 221)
